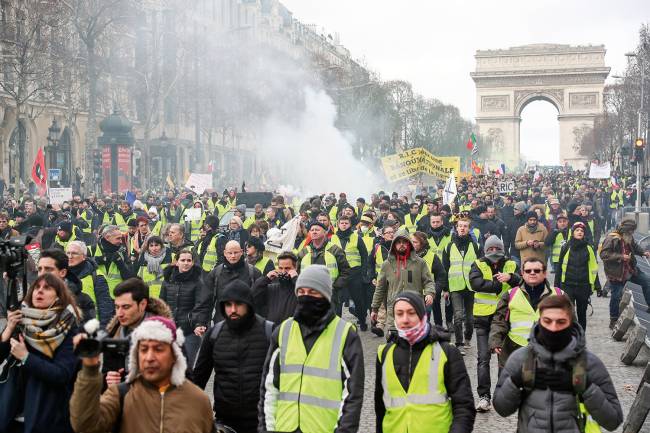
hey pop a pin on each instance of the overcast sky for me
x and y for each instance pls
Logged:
(432, 43)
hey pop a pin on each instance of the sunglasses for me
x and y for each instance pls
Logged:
(533, 271)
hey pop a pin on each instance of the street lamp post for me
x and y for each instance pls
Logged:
(637, 206)
(53, 136)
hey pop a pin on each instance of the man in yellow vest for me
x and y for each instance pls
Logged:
(517, 311)
(422, 384)
(411, 219)
(313, 377)
(554, 382)
(111, 258)
(490, 277)
(320, 251)
(355, 252)
(255, 255)
(457, 258)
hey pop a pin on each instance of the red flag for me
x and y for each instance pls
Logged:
(470, 144)
(39, 175)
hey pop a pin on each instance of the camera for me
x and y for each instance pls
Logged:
(98, 341)
(13, 256)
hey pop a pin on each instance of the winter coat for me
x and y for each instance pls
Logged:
(457, 383)
(237, 371)
(216, 281)
(182, 292)
(523, 235)
(545, 410)
(416, 277)
(181, 409)
(493, 286)
(352, 377)
(104, 304)
(318, 258)
(46, 389)
(577, 271)
(612, 255)
(275, 299)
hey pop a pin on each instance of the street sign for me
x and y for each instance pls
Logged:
(506, 186)
(54, 174)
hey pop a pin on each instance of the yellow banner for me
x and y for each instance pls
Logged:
(415, 161)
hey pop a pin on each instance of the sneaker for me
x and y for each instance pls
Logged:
(377, 331)
(483, 404)
(612, 323)
(363, 326)
(461, 349)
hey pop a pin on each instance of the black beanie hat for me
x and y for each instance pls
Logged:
(237, 291)
(531, 214)
(257, 243)
(212, 221)
(412, 298)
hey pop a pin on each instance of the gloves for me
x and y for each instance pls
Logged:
(555, 380)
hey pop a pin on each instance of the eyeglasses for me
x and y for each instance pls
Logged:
(533, 271)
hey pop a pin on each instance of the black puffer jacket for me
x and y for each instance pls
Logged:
(182, 291)
(275, 299)
(457, 383)
(238, 370)
(577, 271)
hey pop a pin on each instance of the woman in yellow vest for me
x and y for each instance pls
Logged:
(154, 259)
(421, 385)
(578, 271)
(555, 383)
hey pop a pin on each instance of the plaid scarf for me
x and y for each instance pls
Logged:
(45, 330)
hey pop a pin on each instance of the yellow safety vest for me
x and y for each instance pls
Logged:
(330, 262)
(522, 316)
(333, 214)
(112, 275)
(210, 258)
(64, 244)
(157, 228)
(425, 406)
(614, 197)
(439, 248)
(560, 240)
(121, 223)
(88, 220)
(351, 249)
(379, 259)
(88, 287)
(591, 426)
(485, 304)
(411, 223)
(592, 265)
(459, 267)
(311, 390)
(152, 280)
(261, 264)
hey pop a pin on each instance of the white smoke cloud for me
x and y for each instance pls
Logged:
(315, 156)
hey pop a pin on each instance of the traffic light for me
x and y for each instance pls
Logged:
(97, 162)
(639, 146)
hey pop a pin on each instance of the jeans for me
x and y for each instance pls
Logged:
(482, 326)
(436, 309)
(463, 305)
(191, 347)
(639, 278)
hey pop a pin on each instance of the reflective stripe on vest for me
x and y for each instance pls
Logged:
(153, 281)
(560, 240)
(592, 265)
(311, 388)
(424, 407)
(485, 304)
(351, 249)
(330, 262)
(521, 315)
(459, 267)
(113, 276)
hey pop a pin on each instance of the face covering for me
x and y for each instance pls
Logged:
(494, 256)
(310, 309)
(554, 341)
(414, 334)
(364, 229)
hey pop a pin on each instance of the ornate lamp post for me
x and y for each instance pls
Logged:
(52, 148)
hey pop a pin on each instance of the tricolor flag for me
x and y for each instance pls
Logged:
(501, 170)
(613, 182)
(471, 144)
(39, 174)
(476, 168)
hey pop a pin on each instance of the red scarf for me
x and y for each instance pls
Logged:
(402, 258)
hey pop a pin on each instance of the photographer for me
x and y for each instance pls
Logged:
(274, 293)
(156, 396)
(132, 306)
(35, 385)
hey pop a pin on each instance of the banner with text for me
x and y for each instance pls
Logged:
(600, 171)
(59, 195)
(415, 161)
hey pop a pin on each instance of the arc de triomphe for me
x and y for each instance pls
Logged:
(569, 77)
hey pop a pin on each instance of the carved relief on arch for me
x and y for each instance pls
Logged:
(555, 95)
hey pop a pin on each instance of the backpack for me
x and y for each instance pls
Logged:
(578, 380)
(122, 389)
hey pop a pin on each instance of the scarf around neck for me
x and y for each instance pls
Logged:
(45, 329)
(154, 263)
(416, 333)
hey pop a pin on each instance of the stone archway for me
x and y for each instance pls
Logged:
(571, 78)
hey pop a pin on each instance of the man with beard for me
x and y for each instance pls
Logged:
(313, 377)
(618, 254)
(274, 293)
(238, 370)
(489, 277)
(111, 258)
(259, 215)
(377, 257)
(233, 268)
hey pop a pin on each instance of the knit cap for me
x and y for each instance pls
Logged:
(316, 277)
(412, 298)
(494, 241)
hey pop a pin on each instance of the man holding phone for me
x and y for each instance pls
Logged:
(274, 293)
